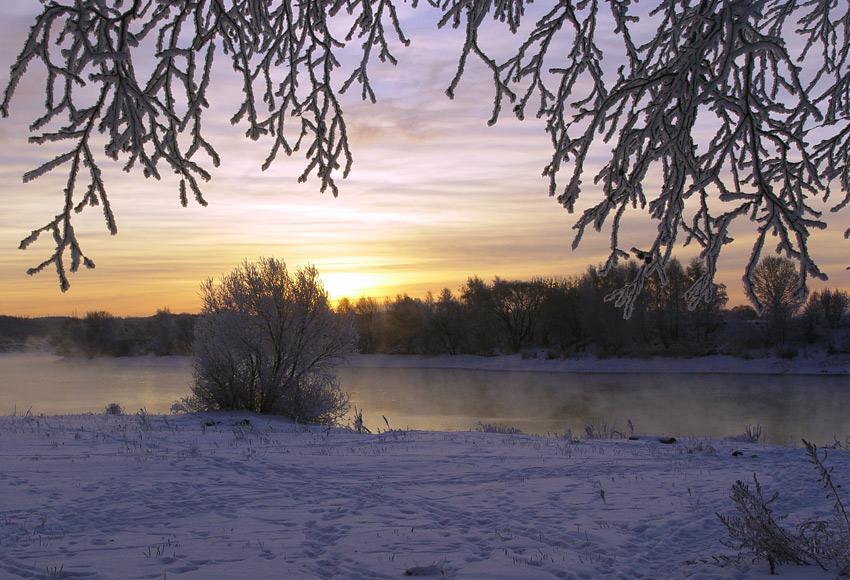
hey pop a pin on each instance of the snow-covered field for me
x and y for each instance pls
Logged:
(239, 496)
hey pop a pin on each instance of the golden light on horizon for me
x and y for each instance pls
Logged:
(435, 196)
(350, 285)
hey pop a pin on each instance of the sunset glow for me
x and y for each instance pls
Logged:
(435, 196)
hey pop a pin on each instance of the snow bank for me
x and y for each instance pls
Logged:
(810, 363)
(225, 496)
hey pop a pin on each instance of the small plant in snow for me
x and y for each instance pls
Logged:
(144, 422)
(568, 436)
(829, 540)
(820, 541)
(753, 433)
(432, 570)
(759, 531)
(602, 431)
(695, 445)
(500, 429)
(359, 427)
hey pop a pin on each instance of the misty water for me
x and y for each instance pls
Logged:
(705, 405)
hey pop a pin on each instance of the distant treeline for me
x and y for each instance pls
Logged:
(17, 332)
(102, 334)
(568, 316)
(558, 317)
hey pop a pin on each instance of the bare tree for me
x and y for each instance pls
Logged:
(268, 341)
(518, 305)
(767, 81)
(365, 313)
(777, 292)
(446, 320)
(828, 306)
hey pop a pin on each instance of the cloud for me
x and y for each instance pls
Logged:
(435, 195)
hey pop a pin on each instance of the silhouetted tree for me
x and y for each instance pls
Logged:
(480, 320)
(777, 289)
(825, 308)
(169, 334)
(610, 334)
(704, 317)
(365, 313)
(828, 306)
(446, 320)
(562, 316)
(666, 300)
(518, 305)
(403, 325)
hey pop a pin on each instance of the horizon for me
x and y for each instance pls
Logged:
(435, 196)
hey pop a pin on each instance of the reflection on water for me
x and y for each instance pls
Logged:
(787, 407)
(43, 383)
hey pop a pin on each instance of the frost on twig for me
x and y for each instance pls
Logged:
(284, 52)
(722, 67)
(708, 111)
(758, 530)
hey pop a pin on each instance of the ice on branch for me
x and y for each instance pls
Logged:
(710, 112)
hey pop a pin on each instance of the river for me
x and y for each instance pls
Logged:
(787, 407)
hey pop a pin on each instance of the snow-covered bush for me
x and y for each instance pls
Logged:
(268, 341)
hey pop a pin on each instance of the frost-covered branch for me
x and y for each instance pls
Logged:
(284, 52)
(728, 65)
(706, 111)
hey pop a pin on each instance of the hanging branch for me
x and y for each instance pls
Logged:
(779, 121)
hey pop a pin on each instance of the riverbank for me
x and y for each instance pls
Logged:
(810, 362)
(229, 495)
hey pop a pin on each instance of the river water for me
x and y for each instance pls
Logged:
(701, 405)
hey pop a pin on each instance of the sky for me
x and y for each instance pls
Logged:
(434, 196)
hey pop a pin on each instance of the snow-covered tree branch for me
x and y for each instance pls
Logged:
(709, 111)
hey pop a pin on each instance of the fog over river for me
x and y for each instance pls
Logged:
(787, 407)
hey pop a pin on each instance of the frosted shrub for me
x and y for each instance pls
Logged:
(113, 409)
(759, 531)
(268, 341)
(825, 542)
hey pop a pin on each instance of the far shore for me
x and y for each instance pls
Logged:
(807, 363)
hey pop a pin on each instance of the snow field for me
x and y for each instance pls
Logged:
(241, 496)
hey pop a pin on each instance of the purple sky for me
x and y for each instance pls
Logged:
(435, 195)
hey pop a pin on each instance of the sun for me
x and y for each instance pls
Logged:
(350, 284)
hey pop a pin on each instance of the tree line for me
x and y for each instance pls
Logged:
(556, 316)
(566, 316)
(99, 333)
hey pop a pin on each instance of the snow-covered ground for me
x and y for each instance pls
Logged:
(239, 496)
